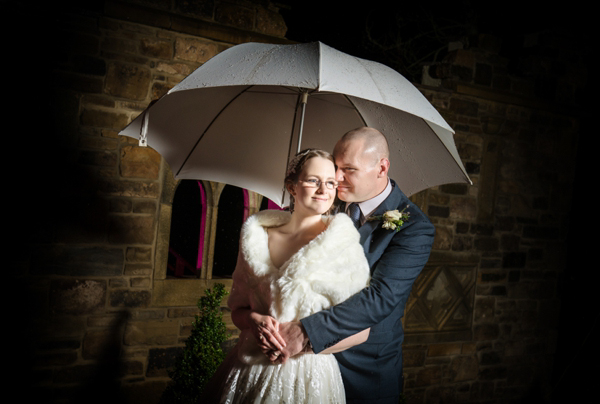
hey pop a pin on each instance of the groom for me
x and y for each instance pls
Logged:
(372, 371)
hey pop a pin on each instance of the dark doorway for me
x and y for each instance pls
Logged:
(229, 224)
(185, 253)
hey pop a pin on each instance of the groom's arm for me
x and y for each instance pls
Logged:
(390, 285)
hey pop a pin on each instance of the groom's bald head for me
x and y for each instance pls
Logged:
(373, 143)
(362, 159)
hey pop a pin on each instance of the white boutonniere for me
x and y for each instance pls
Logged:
(393, 219)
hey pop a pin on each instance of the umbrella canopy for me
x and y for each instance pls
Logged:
(242, 115)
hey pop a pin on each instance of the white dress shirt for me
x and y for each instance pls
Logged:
(368, 207)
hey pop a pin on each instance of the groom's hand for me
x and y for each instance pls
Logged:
(296, 340)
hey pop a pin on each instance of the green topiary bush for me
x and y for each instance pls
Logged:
(203, 351)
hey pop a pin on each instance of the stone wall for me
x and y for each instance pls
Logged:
(517, 131)
(96, 319)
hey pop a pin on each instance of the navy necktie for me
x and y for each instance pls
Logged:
(354, 213)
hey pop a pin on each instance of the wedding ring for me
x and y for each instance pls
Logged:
(261, 337)
(276, 354)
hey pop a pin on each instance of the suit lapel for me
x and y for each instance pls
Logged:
(371, 230)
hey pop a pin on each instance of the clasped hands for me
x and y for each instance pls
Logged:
(279, 342)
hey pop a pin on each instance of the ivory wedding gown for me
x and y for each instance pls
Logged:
(328, 270)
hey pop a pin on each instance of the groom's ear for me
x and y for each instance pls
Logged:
(384, 167)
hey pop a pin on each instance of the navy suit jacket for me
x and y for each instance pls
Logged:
(372, 371)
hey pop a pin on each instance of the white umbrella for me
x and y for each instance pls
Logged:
(240, 117)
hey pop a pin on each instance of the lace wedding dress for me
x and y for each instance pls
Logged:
(327, 271)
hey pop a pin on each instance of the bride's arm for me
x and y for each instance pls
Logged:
(348, 342)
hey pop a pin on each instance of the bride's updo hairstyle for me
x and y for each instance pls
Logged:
(296, 166)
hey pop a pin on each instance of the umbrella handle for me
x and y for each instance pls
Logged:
(303, 101)
(144, 130)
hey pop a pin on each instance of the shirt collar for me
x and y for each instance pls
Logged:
(368, 207)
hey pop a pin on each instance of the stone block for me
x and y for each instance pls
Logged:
(493, 372)
(438, 211)
(444, 349)
(482, 229)
(145, 207)
(490, 358)
(77, 296)
(128, 81)
(429, 376)
(443, 238)
(492, 276)
(464, 107)
(235, 14)
(139, 162)
(144, 315)
(455, 189)
(463, 208)
(462, 227)
(103, 119)
(194, 50)
(130, 298)
(139, 254)
(270, 22)
(485, 332)
(148, 392)
(131, 189)
(98, 158)
(463, 368)
(181, 69)
(156, 48)
(75, 374)
(151, 333)
(510, 242)
(542, 232)
(483, 74)
(159, 89)
(462, 243)
(413, 357)
(131, 229)
(178, 312)
(138, 269)
(58, 359)
(492, 125)
(484, 309)
(487, 244)
(77, 261)
(514, 260)
(101, 344)
(461, 73)
(469, 348)
(203, 9)
(487, 42)
(141, 282)
(461, 57)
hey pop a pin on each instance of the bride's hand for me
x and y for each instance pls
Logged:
(266, 331)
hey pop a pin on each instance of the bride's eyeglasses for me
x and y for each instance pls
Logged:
(316, 183)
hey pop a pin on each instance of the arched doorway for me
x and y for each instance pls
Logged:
(229, 223)
(186, 238)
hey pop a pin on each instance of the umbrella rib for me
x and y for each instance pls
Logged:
(460, 165)
(426, 123)
(209, 126)
(301, 95)
(356, 109)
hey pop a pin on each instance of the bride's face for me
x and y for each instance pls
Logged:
(314, 192)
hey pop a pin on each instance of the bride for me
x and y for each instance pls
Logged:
(291, 265)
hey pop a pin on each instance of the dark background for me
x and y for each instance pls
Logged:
(394, 32)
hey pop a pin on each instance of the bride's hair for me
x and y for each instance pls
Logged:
(296, 165)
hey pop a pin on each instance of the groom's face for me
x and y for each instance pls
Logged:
(357, 172)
